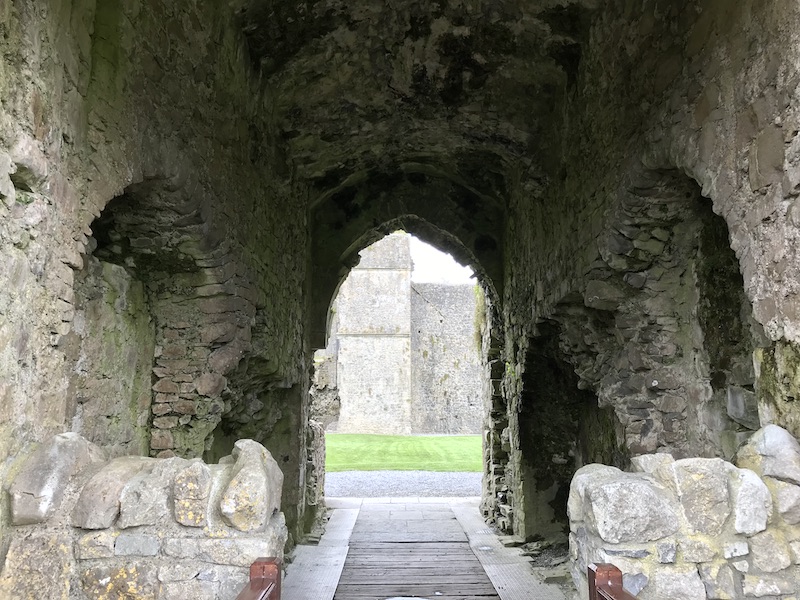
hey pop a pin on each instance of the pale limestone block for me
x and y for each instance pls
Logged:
(38, 489)
(719, 581)
(630, 509)
(682, 583)
(37, 566)
(254, 492)
(99, 503)
(787, 500)
(703, 493)
(145, 498)
(752, 502)
(98, 544)
(770, 552)
(772, 452)
(191, 490)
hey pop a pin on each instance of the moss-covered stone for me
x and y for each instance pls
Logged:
(778, 385)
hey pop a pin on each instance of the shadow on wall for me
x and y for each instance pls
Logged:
(561, 429)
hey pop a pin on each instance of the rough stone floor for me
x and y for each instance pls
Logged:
(423, 548)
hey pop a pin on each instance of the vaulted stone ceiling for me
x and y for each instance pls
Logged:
(465, 87)
(428, 110)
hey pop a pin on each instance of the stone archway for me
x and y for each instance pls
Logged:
(438, 210)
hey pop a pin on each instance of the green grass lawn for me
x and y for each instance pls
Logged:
(362, 452)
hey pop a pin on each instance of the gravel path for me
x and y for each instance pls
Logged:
(381, 484)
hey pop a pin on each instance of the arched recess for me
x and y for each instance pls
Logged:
(658, 335)
(199, 309)
(441, 211)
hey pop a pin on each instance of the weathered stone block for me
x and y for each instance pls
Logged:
(145, 498)
(238, 552)
(185, 407)
(99, 544)
(719, 581)
(210, 384)
(191, 491)
(161, 439)
(38, 566)
(136, 544)
(38, 489)
(165, 422)
(223, 360)
(99, 503)
(766, 159)
(166, 386)
(742, 407)
(770, 552)
(584, 479)
(667, 552)
(795, 549)
(752, 502)
(735, 549)
(650, 463)
(703, 493)
(185, 571)
(602, 295)
(109, 582)
(741, 565)
(677, 582)
(787, 500)
(254, 492)
(630, 510)
(758, 586)
(196, 590)
(697, 551)
(772, 452)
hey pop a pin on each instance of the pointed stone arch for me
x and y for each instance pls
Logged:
(441, 211)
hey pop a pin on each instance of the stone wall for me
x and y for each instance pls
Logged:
(139, 527)
(152, 234)
(446, 358)
(665, 258)
(111, 379)
(373, 339)
(694, 528)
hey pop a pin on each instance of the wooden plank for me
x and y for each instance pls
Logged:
(508, 570)
(314, 572)
(411, 553)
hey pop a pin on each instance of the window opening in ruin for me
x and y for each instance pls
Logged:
(404, 359)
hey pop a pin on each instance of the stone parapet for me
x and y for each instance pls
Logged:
(694, 528)
(139, 527)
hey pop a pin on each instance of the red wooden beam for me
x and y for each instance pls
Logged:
(605, 583)
(265, 580)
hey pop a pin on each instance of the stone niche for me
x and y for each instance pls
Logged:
(694, 528)
(137, 527)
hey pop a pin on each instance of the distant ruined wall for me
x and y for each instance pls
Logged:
(404, 357)
(373, 369)
(446, 359)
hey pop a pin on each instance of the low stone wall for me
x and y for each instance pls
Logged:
(694, 528)
(137, 527)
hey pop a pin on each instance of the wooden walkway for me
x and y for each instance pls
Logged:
(411, 550)
(382, 548)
